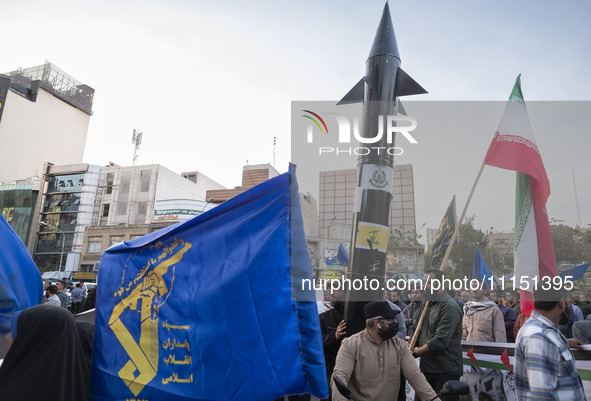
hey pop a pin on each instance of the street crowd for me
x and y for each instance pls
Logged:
(376, 362)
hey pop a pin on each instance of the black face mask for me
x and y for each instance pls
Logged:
(387, 330)
(565, 316)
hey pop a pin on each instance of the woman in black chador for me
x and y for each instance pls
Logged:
(46, 361)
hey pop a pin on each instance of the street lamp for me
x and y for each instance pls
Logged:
(44, 224)
(208, 202)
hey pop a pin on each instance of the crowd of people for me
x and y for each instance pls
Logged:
(374, 364)
(67, 295)
(544, 364)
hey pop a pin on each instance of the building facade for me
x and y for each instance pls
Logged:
(44, 116)
(337, 202)
(337, 198)
(17, 204)
(137, 200)
(67, 204)
(251, 176)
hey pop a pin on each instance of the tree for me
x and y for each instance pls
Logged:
(570, 245)
(469, 238)
(405, 250)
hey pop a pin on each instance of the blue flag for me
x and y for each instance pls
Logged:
(481, 271)
(342, 259)
(576, 272)
(212, 308)
(20, 280)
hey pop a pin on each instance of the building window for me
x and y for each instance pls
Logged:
(115, 239)
(110, 177)
(95, 244)
(106, 210)
(140, 216)
(123, 193)
(145, 180)
(86, 268)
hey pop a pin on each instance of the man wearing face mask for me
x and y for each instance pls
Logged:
(544, 365)
(371, 361)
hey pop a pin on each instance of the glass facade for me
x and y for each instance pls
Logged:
(59, 213)
(16, 205)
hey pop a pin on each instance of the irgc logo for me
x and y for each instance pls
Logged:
(394, 124)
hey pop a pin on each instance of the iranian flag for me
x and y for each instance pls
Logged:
(514, 148)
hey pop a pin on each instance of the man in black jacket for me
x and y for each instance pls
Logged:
(334, 329)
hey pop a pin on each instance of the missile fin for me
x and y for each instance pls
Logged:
(405, 85)
(356, 94)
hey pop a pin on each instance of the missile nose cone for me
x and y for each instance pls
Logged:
(384, 42)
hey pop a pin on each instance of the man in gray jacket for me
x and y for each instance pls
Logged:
(483, 320)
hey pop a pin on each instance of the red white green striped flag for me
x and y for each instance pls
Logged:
(514, 148)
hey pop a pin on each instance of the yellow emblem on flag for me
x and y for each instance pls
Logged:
(372, 236)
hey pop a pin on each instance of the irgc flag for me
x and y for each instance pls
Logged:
(20, 280)
(514, 148)
(445, 233)
(212, 308)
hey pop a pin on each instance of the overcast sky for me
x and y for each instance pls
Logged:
(209, 83)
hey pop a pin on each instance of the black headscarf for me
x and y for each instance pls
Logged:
(46, 360)
(86, 335)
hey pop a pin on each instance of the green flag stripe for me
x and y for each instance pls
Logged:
(523, 205)
(516, 94)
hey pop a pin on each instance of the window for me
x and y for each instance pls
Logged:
(95, 244)
(106, 210)
(123, 193)
(115, 239)
(145, 180)
(110, 177)
(140, 216)
(86, 268)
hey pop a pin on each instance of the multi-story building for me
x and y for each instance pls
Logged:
(337, 198)
(83, 209)
(337, 201)
(138, 200)
(66, 206)
(251, 176)
(502, 243)
(144, 194)
(44, 116)
(17, 203)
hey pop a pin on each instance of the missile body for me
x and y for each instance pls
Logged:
(379, 89)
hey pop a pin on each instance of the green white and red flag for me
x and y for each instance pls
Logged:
(514, 148)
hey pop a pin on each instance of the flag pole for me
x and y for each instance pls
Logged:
(415, 336)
